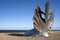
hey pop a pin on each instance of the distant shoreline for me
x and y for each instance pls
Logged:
(54, 30)
(8, 31)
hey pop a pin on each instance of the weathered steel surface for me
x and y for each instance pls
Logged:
(40, 23)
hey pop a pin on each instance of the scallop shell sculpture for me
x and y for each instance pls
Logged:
(43, 24)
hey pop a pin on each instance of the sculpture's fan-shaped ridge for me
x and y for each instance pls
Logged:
(40, 23)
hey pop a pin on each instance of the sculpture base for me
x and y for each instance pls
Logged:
(44, 33)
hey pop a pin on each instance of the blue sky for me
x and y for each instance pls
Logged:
(17, 14)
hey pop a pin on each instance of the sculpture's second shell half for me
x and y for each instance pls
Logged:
(41, 23)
